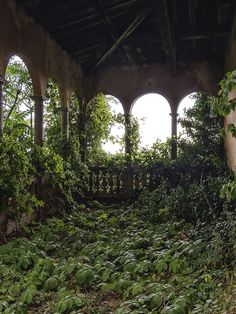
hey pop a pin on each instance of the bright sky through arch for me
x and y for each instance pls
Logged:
(117, 130)
(186, 103)
(153, 113)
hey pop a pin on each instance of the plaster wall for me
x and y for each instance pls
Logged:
(20, 35)
(129, 83)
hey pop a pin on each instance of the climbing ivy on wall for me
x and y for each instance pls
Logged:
(222, 105)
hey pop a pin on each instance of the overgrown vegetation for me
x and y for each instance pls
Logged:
(93, 261)
(172, 251)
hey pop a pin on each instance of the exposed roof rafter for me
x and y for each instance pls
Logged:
(129, 30)
(167, 33)
(110, 28)
(192, 19)
(116, 32)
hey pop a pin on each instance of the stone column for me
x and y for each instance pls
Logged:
(65, 124)
(2, 82)
(38, 119)
(83, 124)
(174, 116)
(127, 173)
(128, 145)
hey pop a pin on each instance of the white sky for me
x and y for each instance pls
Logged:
(153, 113)
(117, 130)
(186, 103)
(154, 110)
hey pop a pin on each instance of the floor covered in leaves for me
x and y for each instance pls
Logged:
(114, 261)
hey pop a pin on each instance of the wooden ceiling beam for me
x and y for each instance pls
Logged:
(175, 14)
(106, 20)
(129, 30)
(204, 36)
(167, 33)
(219, 13)
(149, 39)
(88, 26)
(79, 50)
(191, 10)
(80, 16)
(192, 19)
(84, 42)
(111, 29)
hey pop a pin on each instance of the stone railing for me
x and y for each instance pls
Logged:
(115, 183)
(120, 183)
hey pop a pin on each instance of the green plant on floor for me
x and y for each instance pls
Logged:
(96, 262)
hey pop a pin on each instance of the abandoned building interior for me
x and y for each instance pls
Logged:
(147, 230)
(121, 48)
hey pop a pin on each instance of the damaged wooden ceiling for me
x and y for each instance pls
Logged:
(100, 33)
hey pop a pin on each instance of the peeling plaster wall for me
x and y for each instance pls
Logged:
(129, 83)
(20, 35)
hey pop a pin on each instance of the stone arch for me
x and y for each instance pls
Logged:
(39, 80)
(148, 92)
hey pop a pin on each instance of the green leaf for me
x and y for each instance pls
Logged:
(156, 300)
(50, 284)
(84, 276)
(173, 309)
(61, 307)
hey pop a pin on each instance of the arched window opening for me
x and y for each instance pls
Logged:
(116, 142)
(52, 114)
(186, 103)
(18, 107)
(152, 112)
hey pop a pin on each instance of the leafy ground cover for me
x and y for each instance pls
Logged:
(117, 261)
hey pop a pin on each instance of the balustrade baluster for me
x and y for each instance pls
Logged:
(118, 182)
(129, 181)
(97, 183)
(143, 179)
(136, 182)
(111, 186)
(91, 181)
(148, 179)
(104, 181)
(151, 179)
